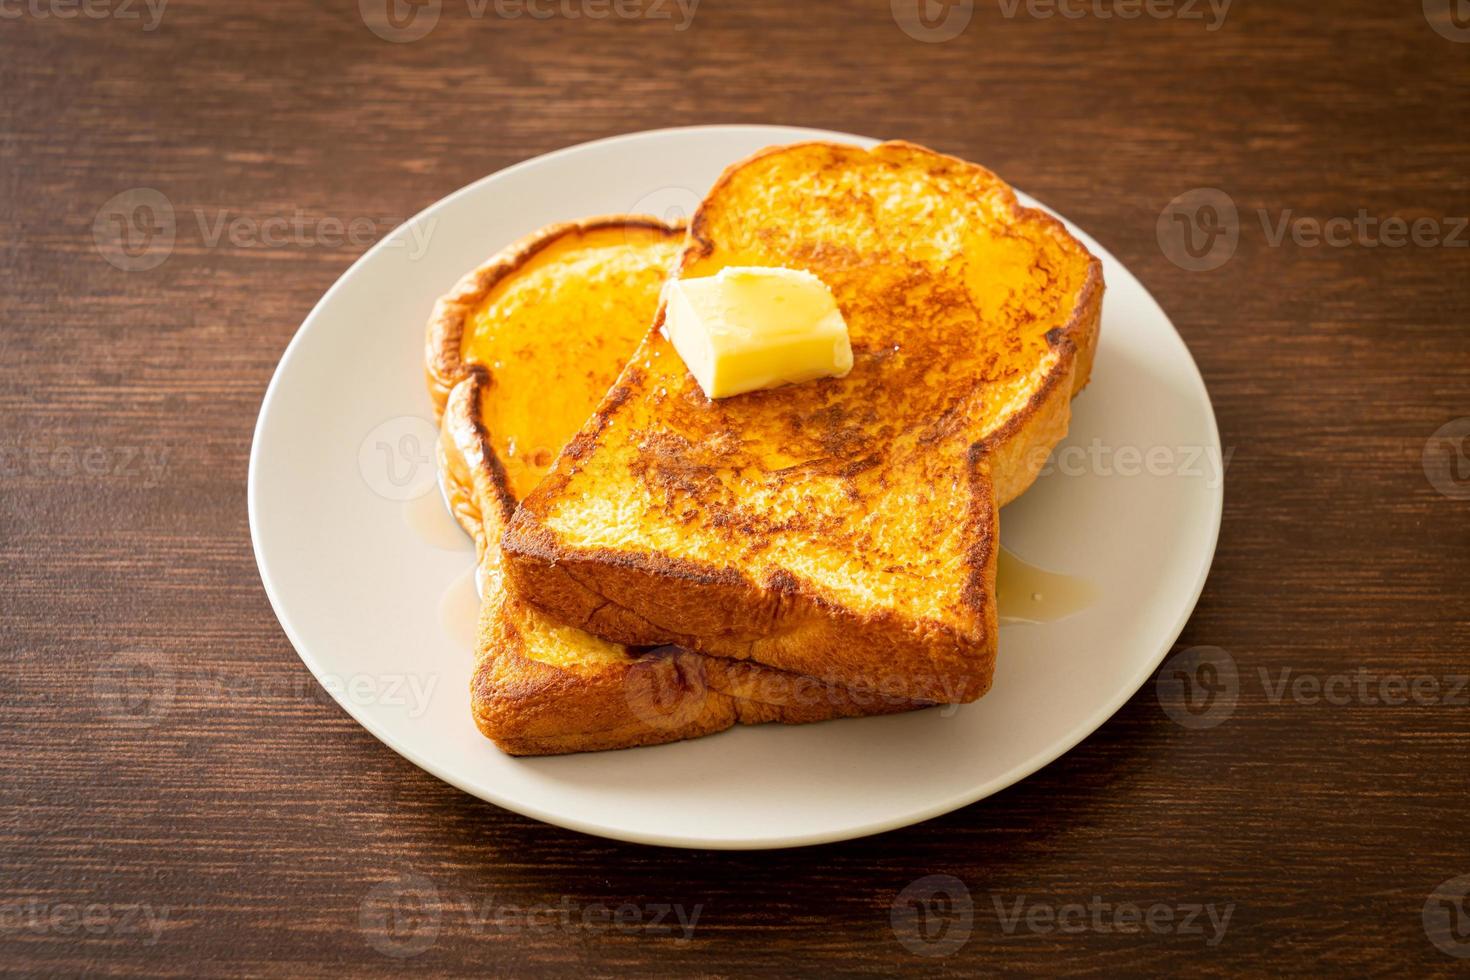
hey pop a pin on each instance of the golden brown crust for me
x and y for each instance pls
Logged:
(646, 596)
(762, 623)
(529, 706)
(1019, 449)
(444, 341)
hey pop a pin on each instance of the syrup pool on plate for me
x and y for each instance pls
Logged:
(430, 520)
(459, 609)
(1025, 593)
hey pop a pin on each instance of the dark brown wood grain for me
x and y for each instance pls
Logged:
(127, 401)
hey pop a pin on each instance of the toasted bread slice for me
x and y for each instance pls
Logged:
(843, 529)
(519, 354)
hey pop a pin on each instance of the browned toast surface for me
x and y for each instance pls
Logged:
(843, 529)
(526, 345)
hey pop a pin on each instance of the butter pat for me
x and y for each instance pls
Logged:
(747, 328)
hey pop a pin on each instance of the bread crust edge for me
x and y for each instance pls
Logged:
(725, 613)
(529, 707)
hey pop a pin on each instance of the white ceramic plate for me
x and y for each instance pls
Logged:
(372, 587)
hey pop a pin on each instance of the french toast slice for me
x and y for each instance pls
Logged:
(843, 529)
(518, 355)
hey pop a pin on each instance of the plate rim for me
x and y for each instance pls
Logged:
(1074, 736)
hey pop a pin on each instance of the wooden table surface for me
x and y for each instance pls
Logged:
(1326, 816)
